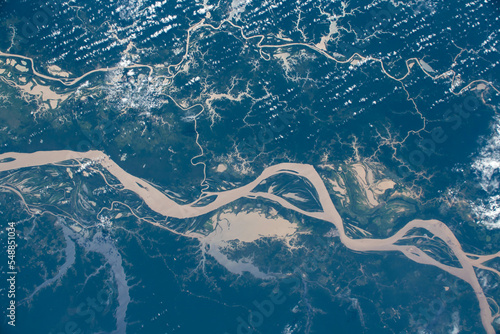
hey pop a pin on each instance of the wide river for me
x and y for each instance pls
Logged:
(159, 202)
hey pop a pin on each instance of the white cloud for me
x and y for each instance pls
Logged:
(487, 168)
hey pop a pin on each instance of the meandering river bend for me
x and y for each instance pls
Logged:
(162, 204)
